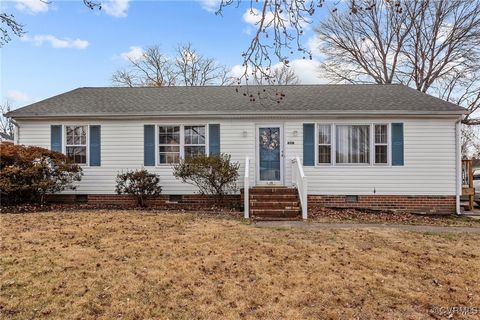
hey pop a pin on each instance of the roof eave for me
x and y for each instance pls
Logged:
(242, 114)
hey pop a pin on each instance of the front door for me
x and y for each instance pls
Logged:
(269, 154)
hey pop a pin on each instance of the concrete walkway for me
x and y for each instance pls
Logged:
(335, 226)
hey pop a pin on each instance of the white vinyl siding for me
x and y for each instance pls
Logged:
(429, 146)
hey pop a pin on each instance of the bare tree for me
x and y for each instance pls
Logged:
(6, 125)
(470, 142)
(194, 69)
(8, 26)
(364, 46)
(155, 69)
(279, 27)
(430, 45)
(152, 69)
(284, 75)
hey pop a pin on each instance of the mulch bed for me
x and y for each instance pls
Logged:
(32, 208)
(332, 215)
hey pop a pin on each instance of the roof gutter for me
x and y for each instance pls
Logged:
(241, 114)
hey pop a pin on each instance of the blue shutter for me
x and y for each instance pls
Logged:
(308, 144)
(149, 145)
(214, 139)
(397, 144)
(95, 146)
(56, 138)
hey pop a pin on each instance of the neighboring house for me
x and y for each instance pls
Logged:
(5, 137)
(369, 146)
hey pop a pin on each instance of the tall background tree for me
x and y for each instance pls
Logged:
(187, 68)
(6, 125)
(283, 75)
(430, 45)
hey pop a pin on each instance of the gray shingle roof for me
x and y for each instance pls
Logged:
(216, 100)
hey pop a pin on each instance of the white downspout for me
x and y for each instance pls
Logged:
(458, 163)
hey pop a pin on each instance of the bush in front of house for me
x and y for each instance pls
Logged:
(28, 173)
(139, 183)
(212, 175)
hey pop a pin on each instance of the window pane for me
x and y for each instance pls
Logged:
(324, 134)
(77, 154)
(381, 133)
(194, 134)
(169, 148)
(76, 135)
(169, 157)
(324, 154)
(70, 138)
(381, 154)
(353, 144)
(169, 135)
(193, 151)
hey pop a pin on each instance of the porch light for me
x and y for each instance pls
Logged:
(295, 133)
(245, 133)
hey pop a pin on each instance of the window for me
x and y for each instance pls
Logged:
(381, 144)
(76, 144)
(194, 140)
(353, 144)
(169, 144)
(177, 141)
(324, 143)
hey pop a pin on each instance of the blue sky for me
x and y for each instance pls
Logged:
(68, 46)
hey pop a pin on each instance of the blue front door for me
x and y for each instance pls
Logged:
(269, 152)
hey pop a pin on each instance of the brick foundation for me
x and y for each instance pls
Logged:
(423, 204)
(178, 202)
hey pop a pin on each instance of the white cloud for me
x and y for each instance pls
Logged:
(18, 97)
(210, 5)
(116, 8)
(313, 44)
(55, 42)
(306, 70)
(32, 6)
(253, 16)
(135, 53)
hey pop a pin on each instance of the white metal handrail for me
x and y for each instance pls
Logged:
(246, 189)
(300, 181)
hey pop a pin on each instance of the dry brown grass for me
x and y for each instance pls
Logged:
(135, 265)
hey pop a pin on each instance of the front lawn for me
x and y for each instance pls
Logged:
(137, 265)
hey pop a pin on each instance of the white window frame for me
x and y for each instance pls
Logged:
(381, 144)
(182, 140)
(64, 144)
(194, 144)
(157, 140)
(333, 128)
(317, 144)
